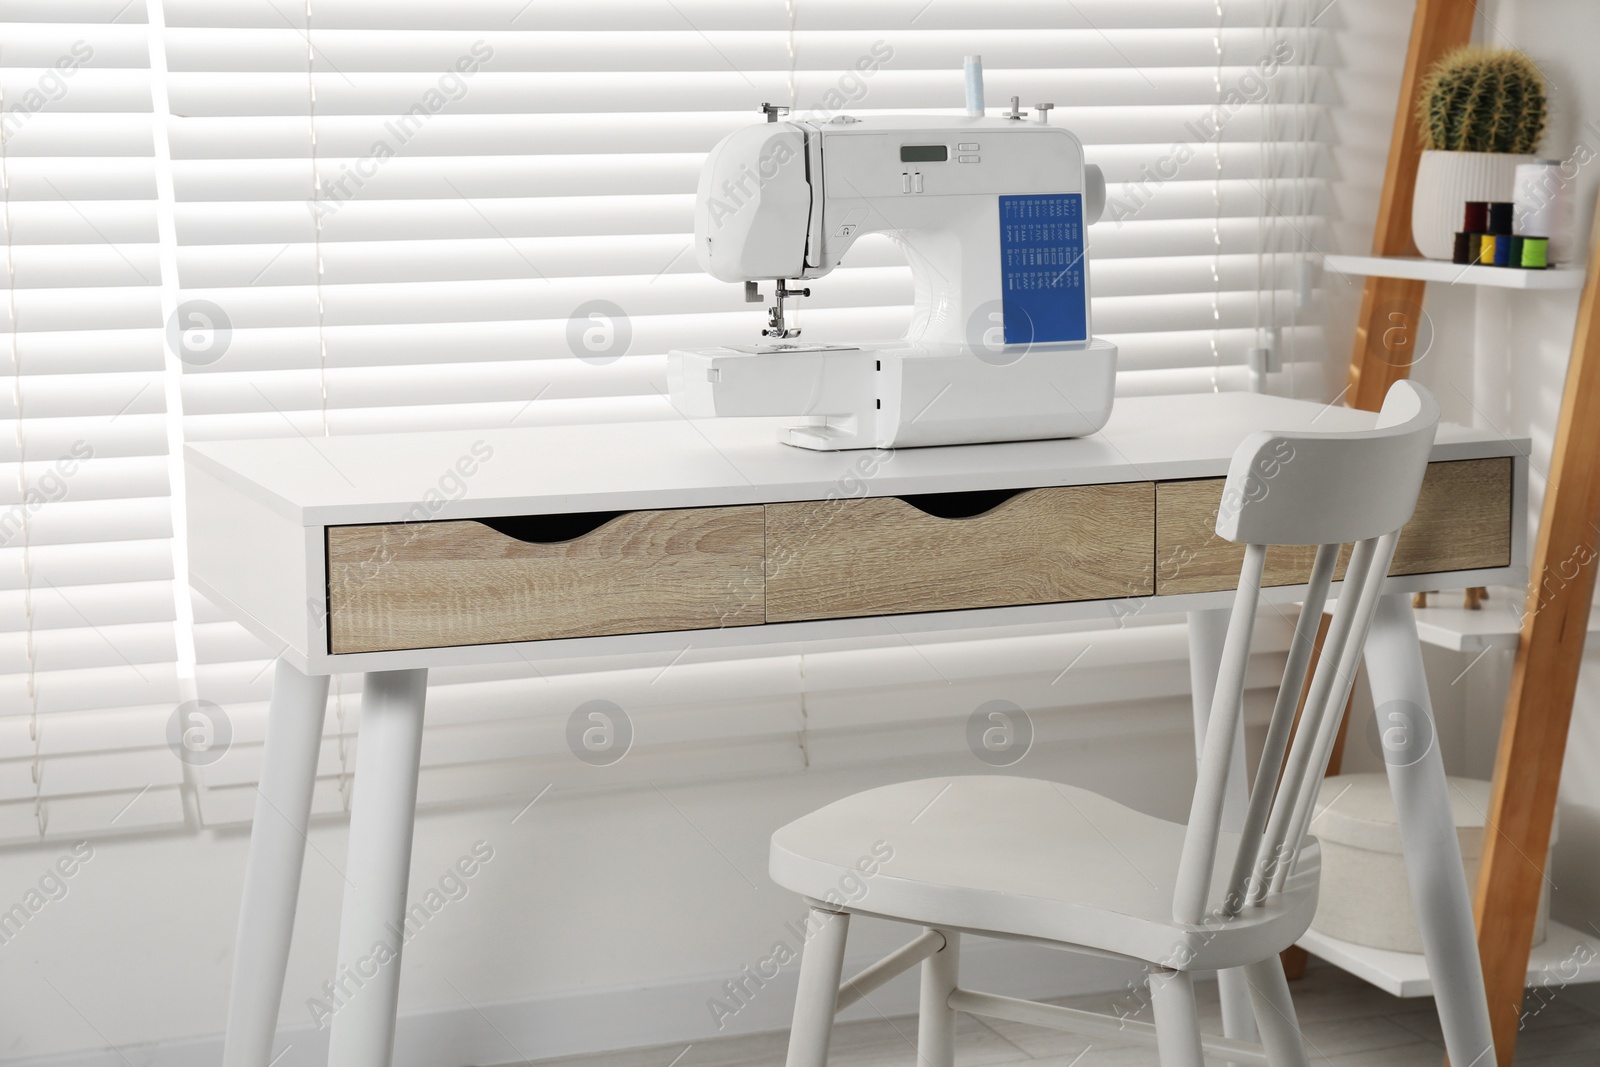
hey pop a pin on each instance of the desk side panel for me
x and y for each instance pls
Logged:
(254, 562)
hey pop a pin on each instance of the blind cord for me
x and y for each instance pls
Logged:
(791, 10)
(174, 316)
(316, 221)
(21, 439)
(322, 353)
(1265, 231)
(1298, 175)
(1216, 216)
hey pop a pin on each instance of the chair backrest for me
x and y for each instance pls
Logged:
(1291, 488)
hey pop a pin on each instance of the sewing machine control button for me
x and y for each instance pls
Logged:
(905, 181)
(713, 374)
(968, 159)
(970, 146)
(846, 230)
(916, 182)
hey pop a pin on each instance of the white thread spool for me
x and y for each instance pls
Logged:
(973, 67)
(1542, 206)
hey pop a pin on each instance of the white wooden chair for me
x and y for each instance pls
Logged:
(1020, 858)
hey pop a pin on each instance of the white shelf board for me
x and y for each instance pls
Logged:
(1497, 624)
(1567, 957)
(1434, 270)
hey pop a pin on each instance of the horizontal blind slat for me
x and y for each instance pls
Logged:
(85, 563)
(722, 15)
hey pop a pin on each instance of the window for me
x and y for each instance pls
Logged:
(357, 216)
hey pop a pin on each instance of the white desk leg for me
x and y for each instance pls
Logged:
(1427, 832)
(1207, 631)
(382, 812)
(272, 873)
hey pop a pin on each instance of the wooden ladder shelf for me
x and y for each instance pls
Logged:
(1561, 582)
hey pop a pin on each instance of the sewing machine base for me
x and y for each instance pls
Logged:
(902, 394)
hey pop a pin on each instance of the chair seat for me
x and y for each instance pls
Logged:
(995, 854)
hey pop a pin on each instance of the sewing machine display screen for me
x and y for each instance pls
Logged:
(1044, 287)
(924, 153)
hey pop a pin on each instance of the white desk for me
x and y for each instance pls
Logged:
(278, 530)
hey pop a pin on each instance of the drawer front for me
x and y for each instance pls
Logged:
(437, 584)
(883, 556)
(1462, 522)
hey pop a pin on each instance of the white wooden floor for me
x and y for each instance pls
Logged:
(1347, 1023)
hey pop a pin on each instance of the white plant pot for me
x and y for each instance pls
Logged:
(1445, 182)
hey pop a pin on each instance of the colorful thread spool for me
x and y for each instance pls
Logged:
(1463, 248)
(1500, 213)
(1485, 248)
(1477, 216)
(1516, 250)
(1502, 250)
(1535, 252)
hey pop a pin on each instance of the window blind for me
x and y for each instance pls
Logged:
(250, 218)
(90, 662)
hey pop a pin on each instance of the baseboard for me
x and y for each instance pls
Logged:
(601, 1020)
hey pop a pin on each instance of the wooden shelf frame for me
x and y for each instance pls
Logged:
(1562, 575)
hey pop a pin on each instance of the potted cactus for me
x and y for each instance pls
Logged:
(1481, 112)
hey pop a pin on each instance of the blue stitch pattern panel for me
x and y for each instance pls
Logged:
(1044, 291)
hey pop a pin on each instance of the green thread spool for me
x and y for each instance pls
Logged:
(1536, 252)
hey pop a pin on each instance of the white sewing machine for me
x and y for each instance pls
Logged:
(990, 212)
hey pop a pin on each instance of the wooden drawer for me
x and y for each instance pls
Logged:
(436, 584)
(831, 559)
(1462, 522)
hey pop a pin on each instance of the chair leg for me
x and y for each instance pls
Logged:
(821, 965)
(936, 1019)
(1177, 1022)
(1275, 1018)
(1238, 1015)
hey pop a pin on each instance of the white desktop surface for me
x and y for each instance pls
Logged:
(677, 463)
